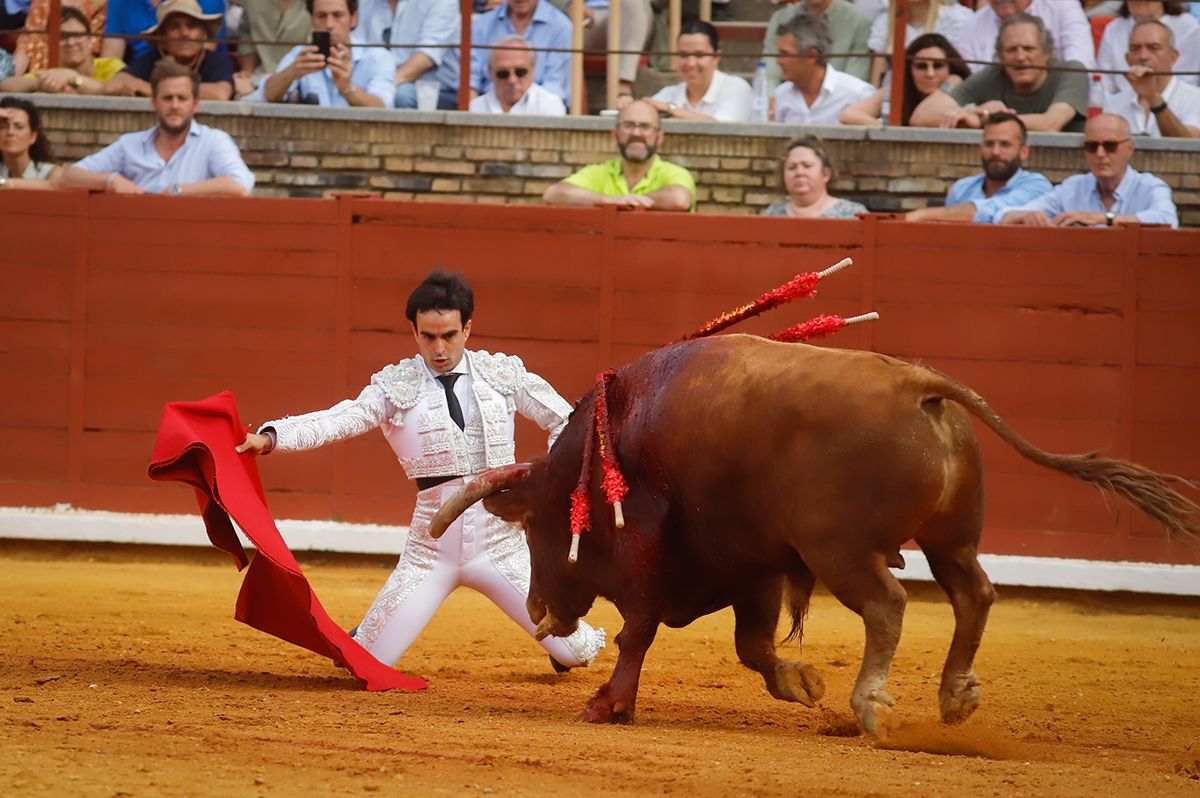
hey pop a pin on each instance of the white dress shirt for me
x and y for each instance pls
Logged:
(951, 22)
(1066, 20)
(837, 91)
(728, 99)
(1183, 99)
(535, 102)
(1115, 43)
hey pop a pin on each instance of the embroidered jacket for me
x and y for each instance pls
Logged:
(410, 407)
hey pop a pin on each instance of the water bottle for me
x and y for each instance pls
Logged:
(761, 97)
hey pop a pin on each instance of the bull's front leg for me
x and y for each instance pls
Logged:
(615, 701)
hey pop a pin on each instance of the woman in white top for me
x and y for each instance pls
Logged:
(26, 155)
(706, 93)
(946, 17)
(1115, 42)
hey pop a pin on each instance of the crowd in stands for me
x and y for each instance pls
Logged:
(1005, 68)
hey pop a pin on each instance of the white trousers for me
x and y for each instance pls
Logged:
(479, 551)
(636, 20)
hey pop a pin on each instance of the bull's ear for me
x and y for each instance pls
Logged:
(515, 504)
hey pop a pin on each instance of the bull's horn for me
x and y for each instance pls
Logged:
(486, 484)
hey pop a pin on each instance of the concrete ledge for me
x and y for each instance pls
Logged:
(62, 523)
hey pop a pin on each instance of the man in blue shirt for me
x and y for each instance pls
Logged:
(540, 24)
(1112, 191)
(1002, 184)
(433, 24)
(177, 156)
(350, 76)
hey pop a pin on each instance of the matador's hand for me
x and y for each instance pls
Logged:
(255, 443)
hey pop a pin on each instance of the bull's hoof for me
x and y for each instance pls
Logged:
(958, 698)
(875, 714)
(795, 681)
(604, 713)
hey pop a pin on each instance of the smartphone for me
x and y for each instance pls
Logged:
(322, 41)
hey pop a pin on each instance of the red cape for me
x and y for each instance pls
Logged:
(195, 445)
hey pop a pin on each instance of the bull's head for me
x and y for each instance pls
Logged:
(526, 494)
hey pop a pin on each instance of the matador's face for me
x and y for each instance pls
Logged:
(441, 338)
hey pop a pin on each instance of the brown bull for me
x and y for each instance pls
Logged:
(752, 464)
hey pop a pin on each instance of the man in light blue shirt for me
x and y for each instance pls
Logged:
(1003, 183)
(537, 22)
(434, 24)
(177, 156)
(348, 76)
(1111, 192)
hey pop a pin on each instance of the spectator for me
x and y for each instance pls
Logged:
(706, 93)
(13, 14)
(1111, 191)
(638, 179)
(433, 24)
(134, 17)
(1046, 99)
(537, 22)
(1065, 21)
(32, 53)
(814, 92)
(181, 33)
(1115, 42)
(946, 17)
(7, 69)
(637, 19)
(513, 90)
(1003, 183)
(25, 152)
(176, 156)
(1101, 8)
(265, 21)
(805, 172)
(355, 76)
(79, 72)
(849, 30)
(933, 64)
(1154, 102)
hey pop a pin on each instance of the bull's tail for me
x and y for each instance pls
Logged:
(797, 594)
(1146, 490)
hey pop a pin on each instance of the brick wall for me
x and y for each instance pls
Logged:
(306, 152)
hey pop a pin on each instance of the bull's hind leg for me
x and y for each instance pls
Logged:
(863, 583)
(757, 617)
(957, 571)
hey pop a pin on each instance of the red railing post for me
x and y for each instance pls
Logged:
(899, 45)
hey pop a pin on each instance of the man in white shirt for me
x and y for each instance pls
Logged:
(1154, 102)
(814, 93)
(1066, 21)
(513, 90)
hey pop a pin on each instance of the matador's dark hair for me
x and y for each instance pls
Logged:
(441, 290)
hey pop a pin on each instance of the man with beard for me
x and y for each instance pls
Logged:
(1110, 192)
(180, 34)
(1003, 183)
(176, 156)
(638, 179)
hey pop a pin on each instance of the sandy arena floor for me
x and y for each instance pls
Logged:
(124, 674)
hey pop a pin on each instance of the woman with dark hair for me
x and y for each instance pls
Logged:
(25, 152)
(806, 171)
(706, 93)
(933, 64)
(1115, 42)
(78, 71)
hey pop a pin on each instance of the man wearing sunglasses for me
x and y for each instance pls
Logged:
(638, 179)
(1111, 192)
(513, 90)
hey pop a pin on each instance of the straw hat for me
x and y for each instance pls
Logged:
(189, 8)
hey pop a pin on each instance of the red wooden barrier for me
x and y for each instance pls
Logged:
(113, 306)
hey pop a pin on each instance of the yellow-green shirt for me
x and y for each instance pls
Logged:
(608, 178)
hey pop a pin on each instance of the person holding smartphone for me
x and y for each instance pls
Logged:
(330, 71)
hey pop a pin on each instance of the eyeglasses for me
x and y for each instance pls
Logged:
(502, 74)
(640, 127)
(1109, 146)
(924, 65)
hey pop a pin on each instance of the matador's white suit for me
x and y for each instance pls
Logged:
(479, 550)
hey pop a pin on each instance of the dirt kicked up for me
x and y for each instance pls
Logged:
(123, 673)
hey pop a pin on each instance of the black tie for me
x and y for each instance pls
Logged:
(447, 381)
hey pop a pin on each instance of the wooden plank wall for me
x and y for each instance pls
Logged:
(1082, 339)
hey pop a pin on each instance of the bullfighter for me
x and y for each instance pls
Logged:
(448, 415)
